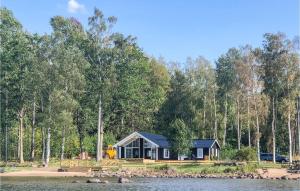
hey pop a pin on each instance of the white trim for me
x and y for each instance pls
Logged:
(166, 151)
(132, 135)
(214, 143)
(198, 153)
(119, 152)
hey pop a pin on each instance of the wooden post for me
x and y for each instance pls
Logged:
(208, 153)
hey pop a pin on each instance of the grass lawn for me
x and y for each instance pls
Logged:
(196, 168)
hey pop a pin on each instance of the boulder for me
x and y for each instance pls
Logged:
(284, 178)
(2, 170)
(105, 182)
(123, 180)
(93, 180)
(75, 181)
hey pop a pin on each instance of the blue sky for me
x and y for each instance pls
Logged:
(174, 29)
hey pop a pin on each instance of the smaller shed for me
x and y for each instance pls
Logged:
(205, 149)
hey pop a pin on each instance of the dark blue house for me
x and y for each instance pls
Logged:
(157, 147)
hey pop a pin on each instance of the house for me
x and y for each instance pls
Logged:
(157, 147)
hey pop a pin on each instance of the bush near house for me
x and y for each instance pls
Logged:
(228, 153)
(245, 154)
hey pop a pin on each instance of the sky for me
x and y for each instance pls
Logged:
(173, 29)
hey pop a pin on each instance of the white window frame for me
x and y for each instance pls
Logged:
(200, 150)
(166, 153)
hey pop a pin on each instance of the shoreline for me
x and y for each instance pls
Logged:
(273, 174)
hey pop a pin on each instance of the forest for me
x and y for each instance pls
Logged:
(79, 89)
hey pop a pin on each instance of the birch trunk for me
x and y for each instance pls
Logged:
(99, 132)
(273, 131)
(257, 132)
(80, 133)
(101, 139)
(21, 118)
(6, 128)
(204, 117)
(238, 124)
(63, 143)
(33, 130)
(290, 135)
(215, 116)
(225, 122)
(248, 122)
(43, 133)
(47, 159)
(289, 127)
(298, 123)
(44, 144)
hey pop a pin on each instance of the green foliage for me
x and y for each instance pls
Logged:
(247, 168)
(64, 74)
(180, 137)
(89, 143)
(109, 139)
(165, 167)
(228, 153)
(246, 154)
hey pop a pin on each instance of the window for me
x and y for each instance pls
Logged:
(147, 144)
(148, 153)
(199, 152)
(128, 153)
(132, 149)
(136, 143)
(166, 153)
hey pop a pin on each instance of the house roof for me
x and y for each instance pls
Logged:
(204, 143)
(160, 140)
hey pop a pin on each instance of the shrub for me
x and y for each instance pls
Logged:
(247, 168)
(164, 167)
(229, 170)
(109, 139)
(228, 153)
(245, 154)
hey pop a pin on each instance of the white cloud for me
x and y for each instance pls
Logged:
(74, 6)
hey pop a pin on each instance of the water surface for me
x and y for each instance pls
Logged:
(149, 184)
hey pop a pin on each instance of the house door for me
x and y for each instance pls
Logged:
(200, 153)
(148, 153)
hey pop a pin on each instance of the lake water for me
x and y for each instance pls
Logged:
(149, 184)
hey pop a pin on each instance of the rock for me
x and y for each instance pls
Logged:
(75, 181)
(170, 171)
(123, 180)
(284, 178)
(61, 170)
(105, 182)
(2, 170)
(93, 180)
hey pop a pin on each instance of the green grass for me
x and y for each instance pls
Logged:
(194, 168)
(207, 168)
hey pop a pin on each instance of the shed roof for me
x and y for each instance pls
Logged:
(204, 143)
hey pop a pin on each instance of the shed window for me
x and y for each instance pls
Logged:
(199, 152)
(166, 153)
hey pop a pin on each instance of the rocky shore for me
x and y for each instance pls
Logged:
(148, 173)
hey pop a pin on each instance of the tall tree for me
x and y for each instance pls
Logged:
(99, 40)
(272, 58)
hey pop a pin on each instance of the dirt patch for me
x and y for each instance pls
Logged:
(276, 173)
(48, 172)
